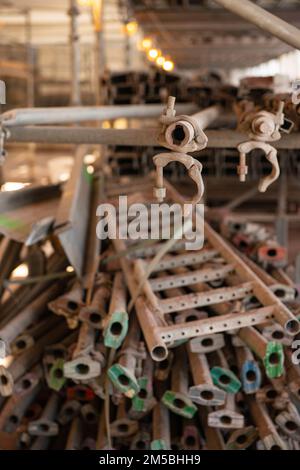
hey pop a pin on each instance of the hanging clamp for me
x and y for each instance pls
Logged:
(193, 166)
(262, 127)
(180, 134)
(271, 156)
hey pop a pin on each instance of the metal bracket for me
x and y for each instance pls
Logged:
(193, 166)
(271, 156)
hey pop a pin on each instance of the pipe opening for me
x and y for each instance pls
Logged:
(241, 439)
(292, 326)
(72, 305)
(190, 440)
(271, 394)
(179, 403)
(178, 135)
(251, 375)
(44, 427)
(58, 373)
(124, 380)
(21, 344)
(291, 426)
(3, 380)
(95, 317)
(116, 328)
(279, 293)
(82, 369)
(274, 358)
(123, 427)
(206, 342)
(159, 353)
(143, 393)
(225, 419)
(277, 334)
(224, 379)
(13, 419)
(140, 445)
(207, 395)
(26, 383)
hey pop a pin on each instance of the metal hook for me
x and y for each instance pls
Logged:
(271, 156)
(193, 166)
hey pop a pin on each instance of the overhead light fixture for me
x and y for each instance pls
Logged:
(131, 28)
(160, 61)
(146, 43)
(168, 65)
(153, 54)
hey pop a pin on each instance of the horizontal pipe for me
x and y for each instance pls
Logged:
(207, 116)
(135, 137)
(59, 115)
(264, 20)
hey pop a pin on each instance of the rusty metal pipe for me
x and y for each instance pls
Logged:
(60, 115)
(161, 433)
(26, 360)
(28, 315)
(96, 311)
(46, 425)
(136, 137)
(75, 435)
(264, 20)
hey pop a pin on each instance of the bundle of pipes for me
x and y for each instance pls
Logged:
(182, 350)
(144, 87)
(257, 242)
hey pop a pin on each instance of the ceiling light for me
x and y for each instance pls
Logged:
(146, 43)
(168, 65)
(131, 28)
(153, 54)
(160, 61)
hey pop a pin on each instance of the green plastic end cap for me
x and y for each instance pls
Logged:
(123, 380)
(158, 444)
(56, 378)
(225, 379)
(179, 404)
(141, 399)
(116, 330)
(274, 360)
